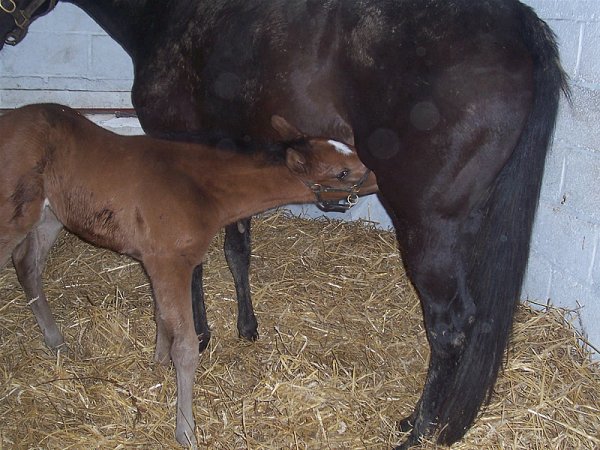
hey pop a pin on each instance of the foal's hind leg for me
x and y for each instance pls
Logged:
(237, 253)
(29, 259)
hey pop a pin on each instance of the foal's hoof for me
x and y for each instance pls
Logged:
(186, 439)
(62, 350)
(55, 342)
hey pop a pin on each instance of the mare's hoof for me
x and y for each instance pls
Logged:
(203, 340)
(248, 328)
(249, 335)
(406, 424)
(408, 443)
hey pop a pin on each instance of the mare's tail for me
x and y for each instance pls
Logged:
(498, 257)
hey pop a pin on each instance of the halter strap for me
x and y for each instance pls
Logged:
(342, 205)
(22, 17)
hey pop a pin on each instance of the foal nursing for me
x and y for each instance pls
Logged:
(160, 202)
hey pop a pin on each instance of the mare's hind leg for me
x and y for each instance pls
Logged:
(172, 285)
(237, 253)
(432, 258)
(29, 259)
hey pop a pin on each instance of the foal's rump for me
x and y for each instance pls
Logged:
(50, 157)
(22, 161)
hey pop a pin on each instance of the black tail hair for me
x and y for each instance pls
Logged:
(498, 257)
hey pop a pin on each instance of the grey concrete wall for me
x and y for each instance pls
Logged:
(67, 58)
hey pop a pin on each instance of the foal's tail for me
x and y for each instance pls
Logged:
(498, 257)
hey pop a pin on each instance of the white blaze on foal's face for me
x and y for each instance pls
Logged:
(341, 147)
(343, 163)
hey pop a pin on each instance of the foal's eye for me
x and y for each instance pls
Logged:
(343, 174)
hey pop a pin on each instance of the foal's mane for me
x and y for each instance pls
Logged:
(273, 152)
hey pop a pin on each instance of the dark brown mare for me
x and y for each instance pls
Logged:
(451, 103)
(59, 169)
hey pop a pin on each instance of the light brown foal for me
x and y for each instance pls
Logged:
(160, 202)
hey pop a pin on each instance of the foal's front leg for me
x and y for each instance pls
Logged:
(163, 338)
(172, 285)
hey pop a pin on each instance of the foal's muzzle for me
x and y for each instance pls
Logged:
(343, 204)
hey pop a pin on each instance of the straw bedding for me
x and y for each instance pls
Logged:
(342, 355)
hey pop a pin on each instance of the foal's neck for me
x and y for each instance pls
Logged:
(246, 185)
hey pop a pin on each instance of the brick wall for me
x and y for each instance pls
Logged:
(564, 265)
(68, 59)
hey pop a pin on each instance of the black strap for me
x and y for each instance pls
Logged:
(22, 18)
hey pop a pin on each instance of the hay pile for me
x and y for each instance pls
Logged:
(342, 355)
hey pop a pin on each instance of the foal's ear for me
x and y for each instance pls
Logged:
(295, 161)
(286, 130)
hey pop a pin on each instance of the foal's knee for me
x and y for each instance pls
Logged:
(184, 354)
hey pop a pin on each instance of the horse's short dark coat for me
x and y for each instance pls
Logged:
(451, 102)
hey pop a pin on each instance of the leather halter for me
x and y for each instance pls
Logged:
(342, 205)
(22, 17)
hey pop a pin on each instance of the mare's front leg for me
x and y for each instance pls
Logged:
(237, 252)
(172, 285)
(199, 310)
(29, 259)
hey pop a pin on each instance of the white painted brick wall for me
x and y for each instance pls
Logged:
(564, 266)
(68, 59)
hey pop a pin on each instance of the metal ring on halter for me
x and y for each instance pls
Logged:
(5, 9)
(352, 199)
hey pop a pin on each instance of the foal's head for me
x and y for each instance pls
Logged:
(319, 160)
(330, 168)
